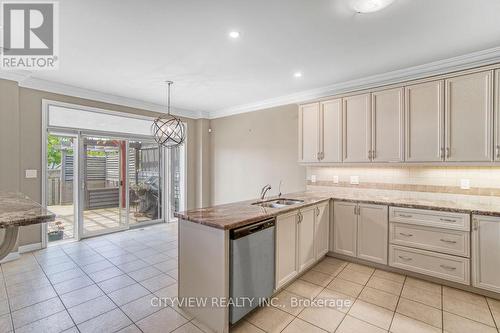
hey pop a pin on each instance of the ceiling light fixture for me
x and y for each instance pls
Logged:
(168, 131)
(369, 6)
(297, 74)
(234, 34)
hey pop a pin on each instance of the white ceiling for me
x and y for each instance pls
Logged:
(128, 47)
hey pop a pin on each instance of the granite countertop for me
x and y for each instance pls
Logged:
(16, 209)
(234, 215)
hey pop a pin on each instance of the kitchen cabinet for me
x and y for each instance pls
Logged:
(424, 122)
(388, 126)
(357, 125)
(360, 230)
(322, 230)
(469, 117)
(372, 233)
(330, 137)
(309, 133)
(486, 252)
(497, 115)
(306, 228)
(286, 247)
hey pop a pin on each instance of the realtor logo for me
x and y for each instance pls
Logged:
(30, 35)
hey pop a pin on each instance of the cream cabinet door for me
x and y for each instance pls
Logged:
(357, 124)
(373, 227)
(387, 119)
(309, 133)
(424, 122)
(286, 248)
(344, 228)
(331, 131)
(469, 117)
(306, 238)
(497, 115)
(486, 252)
(322, 230)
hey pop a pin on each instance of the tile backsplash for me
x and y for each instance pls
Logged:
(460, 180)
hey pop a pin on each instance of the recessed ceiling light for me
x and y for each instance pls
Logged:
(234, 34)
(297, 74)
(369, 6)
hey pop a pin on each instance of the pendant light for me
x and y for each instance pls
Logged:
(168, 131)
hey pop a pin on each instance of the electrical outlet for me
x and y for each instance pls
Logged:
(355, 180)
(30, 173)
(335, 179)
(313, 178)
(465, 184)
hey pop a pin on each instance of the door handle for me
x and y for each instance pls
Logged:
(405, 258)
(449, 268)
(406, 215)
(448, 241)
(498, 151)
(442, 152)
(448, 152)
(447, 220)
(370, 155)
(406, 235)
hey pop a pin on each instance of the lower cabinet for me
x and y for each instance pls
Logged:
(360, 230)
(301, 240)
(486, 252)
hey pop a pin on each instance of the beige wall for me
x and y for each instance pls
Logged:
(22, 127)
(254, 149)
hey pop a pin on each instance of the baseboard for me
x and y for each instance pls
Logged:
(30, 247)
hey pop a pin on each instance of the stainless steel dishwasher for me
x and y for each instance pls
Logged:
(251, 267)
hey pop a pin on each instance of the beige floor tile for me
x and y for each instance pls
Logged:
(188, 328)
(421, 312)
(464, 296)
(300, 326)
(495, 310)
(354, 325)
(395, 277)
(345, 287)
(304, 289)
(140, 308)
(129, 329)
(317, 277)
(5, 323)
(111, 321)
(403, 324)
(372, 314)
(385, 285)
(37, 311)
(245, 327)
(473, 311)
(326, 318)
(334, 261)
(289, 302)
(380, 298)
(336, 300)
(421, 284)
(354, 276)
(270, 319)
(327, 268)
(56, 323)
(456, 324)
(360, 268)
(165, 320)
(421, 295)
(91, 309)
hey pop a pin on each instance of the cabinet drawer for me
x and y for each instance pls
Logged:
(432, 218)
(433, 239)
(439, 265)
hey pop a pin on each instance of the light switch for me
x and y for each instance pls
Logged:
(313, 178)
(335, 179)
(355, 180)
(465, 184)
(30, 173)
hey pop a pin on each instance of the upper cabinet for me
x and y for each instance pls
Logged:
(497, 115)
(469, 117)
(387, 128)
(424, 122)
(331, 131)
(356, 114)
(309, 133)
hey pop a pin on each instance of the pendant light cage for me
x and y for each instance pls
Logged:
(168, 131)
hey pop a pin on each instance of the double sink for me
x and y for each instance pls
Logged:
(277, 203)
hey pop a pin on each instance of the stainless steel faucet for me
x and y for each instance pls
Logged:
(264, 191)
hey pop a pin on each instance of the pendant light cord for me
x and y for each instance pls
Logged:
(169, 83)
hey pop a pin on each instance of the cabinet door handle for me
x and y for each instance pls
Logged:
(448, 152)
(449, 268)
(475, 224)
(442, 152)
(406, 215)
(299, 214)
(374, 154)
(447, 220)
(405, 258)
(498, 151)
(406, 235)
(317, 211)
(448, 241)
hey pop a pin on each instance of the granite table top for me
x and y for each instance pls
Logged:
(16, 210)
(238, 214)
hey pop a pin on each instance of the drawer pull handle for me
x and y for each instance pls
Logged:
(448, 241)
(448, 267)
(406, 235)
(448, 220)
(405, 258)
(406, 215)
